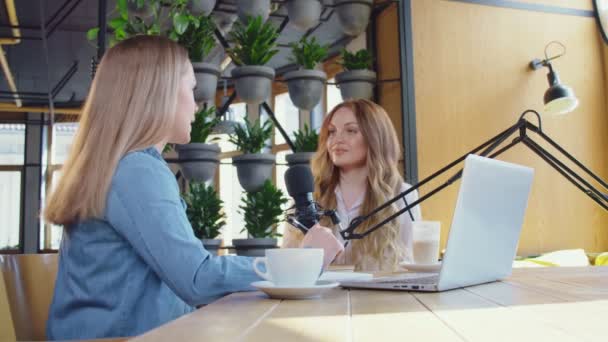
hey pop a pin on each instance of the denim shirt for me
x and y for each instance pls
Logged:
(140, 265)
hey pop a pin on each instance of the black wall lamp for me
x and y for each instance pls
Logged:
(559, 98)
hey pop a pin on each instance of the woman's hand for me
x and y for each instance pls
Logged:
(322, 237)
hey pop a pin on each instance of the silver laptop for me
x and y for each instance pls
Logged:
(482, 243)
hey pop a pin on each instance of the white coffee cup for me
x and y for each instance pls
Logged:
(426, 241)
(297, 267)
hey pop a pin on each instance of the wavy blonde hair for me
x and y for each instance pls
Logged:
(131, 106)
(383, 249)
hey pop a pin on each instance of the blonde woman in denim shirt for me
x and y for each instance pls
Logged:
(129, 261)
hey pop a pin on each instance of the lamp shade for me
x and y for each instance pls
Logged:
(559, 99)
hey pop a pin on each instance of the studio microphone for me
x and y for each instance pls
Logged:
(305, 212)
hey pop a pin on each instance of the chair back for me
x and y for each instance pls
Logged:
(7, 330)
(29, 280)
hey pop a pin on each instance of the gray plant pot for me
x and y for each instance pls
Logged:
(200, 171)
(253, 8)
(304, 14)
(198, 7)
(299, 158)
(253, 82)
(212, 245)
(353, 16)
(206, 75)
(305, 87)
(253, 169)
(253, 247)
(356, 84)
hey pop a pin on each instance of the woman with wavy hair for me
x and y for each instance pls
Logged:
(129, 260)
(355, 171)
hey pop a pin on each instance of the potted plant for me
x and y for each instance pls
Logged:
(247, 9)
(357, 81)
(305, 143)
(201, 7)
(304, 14)
(203, 169)
(306, 85)
(255, 45)
(198, 39)
(253, 167)
(146, 17)
(205, 214)
(353, 15)
(262, 211)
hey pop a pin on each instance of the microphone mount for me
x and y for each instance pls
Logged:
(523, 127)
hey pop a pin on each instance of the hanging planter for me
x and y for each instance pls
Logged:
(357, 81)
(203, 169)
(253, 168)
(304, 14)
(207, 75)
(198, 39)
(255, 45)
(253, 8)
(356, 84)
(253, 83)
(262, 211)
(306, 85)
(201, 7)
(207, 155)
(353, 15)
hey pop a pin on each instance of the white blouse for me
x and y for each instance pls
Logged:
(292, 236)
(405, 224)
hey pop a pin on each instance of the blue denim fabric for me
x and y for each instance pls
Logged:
(140, 265)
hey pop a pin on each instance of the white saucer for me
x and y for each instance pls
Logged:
(294, 292)
(422, 267)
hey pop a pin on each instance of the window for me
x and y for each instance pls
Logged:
(230, 189)
(12, 147)
(288, 115)
(333, 95)
(63, 137)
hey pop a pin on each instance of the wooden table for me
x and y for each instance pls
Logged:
(534, 304)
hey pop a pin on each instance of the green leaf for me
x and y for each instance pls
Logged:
(121, 5)
(117, 23)
(180, 22)
(92, 34)
(262, 210)
(204, 210)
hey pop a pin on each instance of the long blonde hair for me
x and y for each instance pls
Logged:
(131, 106)
(383, 182)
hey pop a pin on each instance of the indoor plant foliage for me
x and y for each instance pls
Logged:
(147, 17)
(357, 81)
(305, 143)
(198, 148)
(253, 167)
(353, 15)
(262, 211)
(306, 85)
(205, 214)
(198, 39)
(255, 44)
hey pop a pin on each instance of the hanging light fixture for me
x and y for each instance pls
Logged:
(559, 98)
